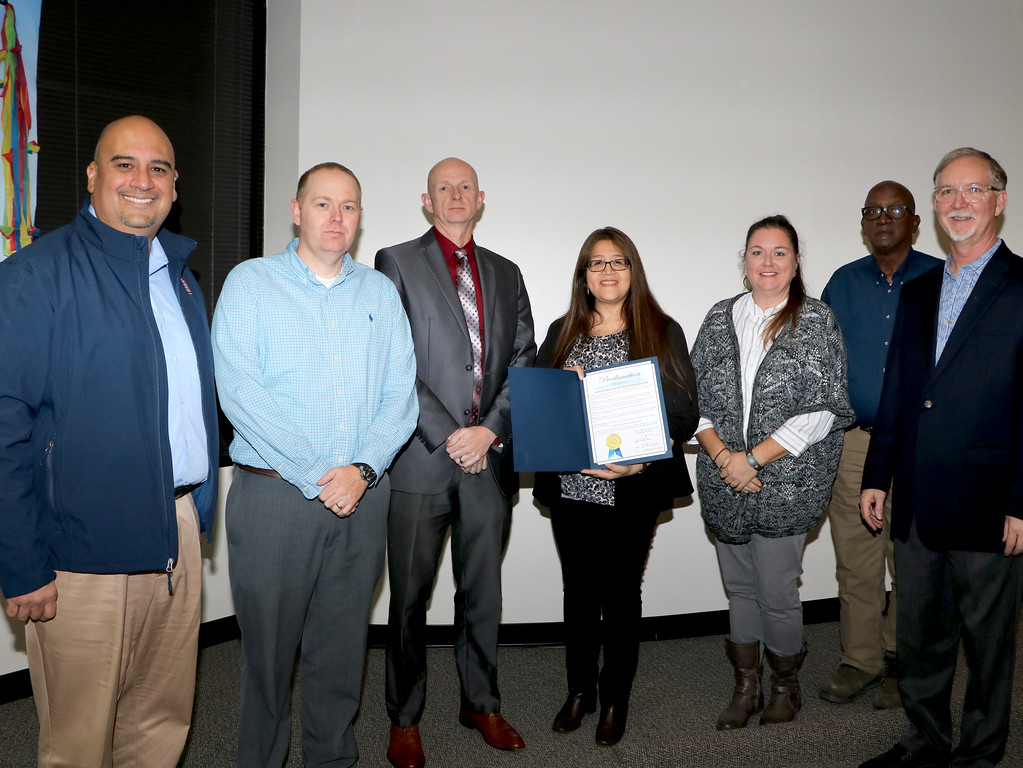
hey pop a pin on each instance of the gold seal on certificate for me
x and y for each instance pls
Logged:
(614, 444)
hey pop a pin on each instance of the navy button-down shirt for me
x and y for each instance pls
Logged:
(865, 305)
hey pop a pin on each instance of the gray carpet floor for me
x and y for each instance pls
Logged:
(681, 687)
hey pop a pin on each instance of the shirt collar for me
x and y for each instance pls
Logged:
(347, 267)
(448, 248)
(751, 308)
(975, 266)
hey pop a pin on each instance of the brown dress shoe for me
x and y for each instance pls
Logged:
(611, 727)
(495, 729)
(888, 694)
(847, 683)
(571, 714)
(406, 748)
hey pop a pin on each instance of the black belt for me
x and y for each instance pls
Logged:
(184, 490)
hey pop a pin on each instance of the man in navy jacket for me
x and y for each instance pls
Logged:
(108, 462)
(949, 433)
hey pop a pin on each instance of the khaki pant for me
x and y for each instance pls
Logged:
(113, 674)
(861, 556)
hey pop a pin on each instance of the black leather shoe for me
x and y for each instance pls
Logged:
(611, 727)
(571, 714)
(900, 757)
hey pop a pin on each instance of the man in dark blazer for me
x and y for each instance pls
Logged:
(470, 321)
(949, 434)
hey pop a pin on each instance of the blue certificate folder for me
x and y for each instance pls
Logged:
(551, 424)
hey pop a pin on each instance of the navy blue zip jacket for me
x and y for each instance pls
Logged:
(86, 478)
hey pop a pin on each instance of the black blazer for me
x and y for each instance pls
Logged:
(950, 435)
(664, 480)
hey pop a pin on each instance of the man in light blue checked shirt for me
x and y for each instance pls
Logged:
(316, 371)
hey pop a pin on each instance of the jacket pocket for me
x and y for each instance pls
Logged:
(50, 483)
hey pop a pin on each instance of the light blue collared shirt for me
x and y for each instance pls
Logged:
(313, 377)
(184, 392)
(955, 292)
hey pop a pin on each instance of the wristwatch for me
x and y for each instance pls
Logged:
(366, 471)
(752, 461)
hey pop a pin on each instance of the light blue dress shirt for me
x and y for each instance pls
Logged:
(955, 291)
(313, 377)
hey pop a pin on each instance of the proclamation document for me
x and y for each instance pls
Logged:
(625, 413)
(561, 424)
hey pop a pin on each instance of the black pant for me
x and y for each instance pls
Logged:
(945, 596)
(603, 555)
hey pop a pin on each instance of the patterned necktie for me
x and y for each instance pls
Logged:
(467, 297)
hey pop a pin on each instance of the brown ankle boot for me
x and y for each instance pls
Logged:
(785, 700)
(746, 697)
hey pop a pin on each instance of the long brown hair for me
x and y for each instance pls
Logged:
(797, 291)
(645, 321)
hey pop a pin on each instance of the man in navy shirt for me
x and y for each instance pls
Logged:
(864, 296)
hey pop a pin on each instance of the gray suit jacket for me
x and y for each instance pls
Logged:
(444, 358)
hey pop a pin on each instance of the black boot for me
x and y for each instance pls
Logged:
(571, 714)
(785, 700)
(611, 727)
(746, 697)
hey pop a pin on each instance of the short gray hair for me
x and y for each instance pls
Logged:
(999, 180)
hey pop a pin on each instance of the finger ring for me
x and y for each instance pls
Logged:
(459, 459)
(337, 504)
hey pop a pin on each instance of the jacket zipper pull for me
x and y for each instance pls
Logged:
(170, 570)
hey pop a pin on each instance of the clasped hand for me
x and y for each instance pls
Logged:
(737, 473)
(468, 446)
(342, 489)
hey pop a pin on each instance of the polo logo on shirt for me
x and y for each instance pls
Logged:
(371, 317)
(185, 283)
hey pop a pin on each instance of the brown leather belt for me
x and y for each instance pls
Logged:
(184, 490)
(260, 471)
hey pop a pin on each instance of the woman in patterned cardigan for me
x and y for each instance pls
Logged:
(771, 377)
(604, 519)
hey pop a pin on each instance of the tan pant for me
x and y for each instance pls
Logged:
(860, 557)
(113, 674)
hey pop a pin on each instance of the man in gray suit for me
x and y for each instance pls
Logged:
(470, 320)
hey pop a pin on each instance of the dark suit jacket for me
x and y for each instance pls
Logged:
(951, 435)
(444, 358)
(664, 480)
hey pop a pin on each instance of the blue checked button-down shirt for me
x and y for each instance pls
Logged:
(955, 292)
(313, 377)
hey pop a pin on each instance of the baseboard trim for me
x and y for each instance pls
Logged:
(16, 685)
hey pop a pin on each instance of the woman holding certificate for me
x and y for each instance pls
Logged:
(604, 519)
(771, 374)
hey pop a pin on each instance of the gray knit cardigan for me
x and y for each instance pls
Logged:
(803, 371)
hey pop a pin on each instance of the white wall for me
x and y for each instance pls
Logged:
(679, 122)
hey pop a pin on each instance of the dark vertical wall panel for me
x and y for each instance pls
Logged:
(197, 69)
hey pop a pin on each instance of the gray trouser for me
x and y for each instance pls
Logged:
(301, 577)
(479, 518)
(762, 580)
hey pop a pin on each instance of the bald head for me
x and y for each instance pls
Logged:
(132, 123)
(454, 198)
(132, 176)
(451, 167)
(892, 189)
(890, 234)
